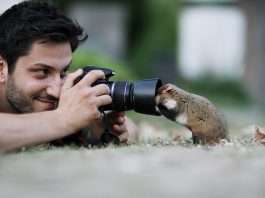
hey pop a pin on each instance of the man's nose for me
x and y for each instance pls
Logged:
(54, 88)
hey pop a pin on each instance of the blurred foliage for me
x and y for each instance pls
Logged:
(228, 92)
(153, 32)
(82, 58)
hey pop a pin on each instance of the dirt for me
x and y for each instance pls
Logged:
(155, 166)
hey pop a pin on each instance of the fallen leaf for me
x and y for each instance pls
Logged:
(259, 135)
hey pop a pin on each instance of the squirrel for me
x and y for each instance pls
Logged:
(195, 112)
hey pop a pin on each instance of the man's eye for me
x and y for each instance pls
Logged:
(45, 71)
(63, 74)
(42, 73)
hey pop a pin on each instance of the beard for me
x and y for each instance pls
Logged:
(17, 99)
(23, 103)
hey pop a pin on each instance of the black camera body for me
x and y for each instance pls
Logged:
(138, 95)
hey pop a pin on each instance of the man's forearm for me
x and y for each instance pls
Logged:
(17, 131)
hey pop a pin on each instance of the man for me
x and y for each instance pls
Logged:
(39, 103)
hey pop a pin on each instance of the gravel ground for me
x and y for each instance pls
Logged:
(155, 168)
(136, 171)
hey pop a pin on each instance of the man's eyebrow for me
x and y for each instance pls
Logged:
(43, 65)
(51, 67)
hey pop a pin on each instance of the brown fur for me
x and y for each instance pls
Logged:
(203, 119)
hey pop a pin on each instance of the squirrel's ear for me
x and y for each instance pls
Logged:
(3, 70)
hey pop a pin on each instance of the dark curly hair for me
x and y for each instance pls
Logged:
(29, 21)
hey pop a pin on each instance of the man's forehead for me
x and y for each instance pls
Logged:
(56, 55)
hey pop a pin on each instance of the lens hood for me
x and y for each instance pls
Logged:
(144, 92)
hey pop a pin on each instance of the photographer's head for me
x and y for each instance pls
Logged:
(28, 22)
(36, 45)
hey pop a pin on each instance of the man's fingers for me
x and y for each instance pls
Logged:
(121, 119)
(116, 117)
(116, 113)
(124, 137)
(103, 100)
(101, 89)
(69, 81)
(121, 113)
(119, 129)
(91, 77)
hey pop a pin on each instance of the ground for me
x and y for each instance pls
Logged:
(152, 167)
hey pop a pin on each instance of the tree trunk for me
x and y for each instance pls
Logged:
(152, 46)
(255, 49)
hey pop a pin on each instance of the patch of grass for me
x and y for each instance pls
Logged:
(84, 58)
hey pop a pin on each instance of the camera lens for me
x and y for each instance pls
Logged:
(138, 96)
(121, 93)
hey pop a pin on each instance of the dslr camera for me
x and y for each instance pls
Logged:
(138, 95)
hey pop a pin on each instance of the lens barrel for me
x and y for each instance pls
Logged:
(138, 96)
(121, 93)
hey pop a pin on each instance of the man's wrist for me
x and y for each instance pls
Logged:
(63, 123)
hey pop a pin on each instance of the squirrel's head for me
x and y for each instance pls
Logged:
(170, 101)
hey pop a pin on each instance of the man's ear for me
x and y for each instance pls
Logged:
(3, 70)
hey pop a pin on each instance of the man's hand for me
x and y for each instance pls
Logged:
(78, 104)
(117, 123)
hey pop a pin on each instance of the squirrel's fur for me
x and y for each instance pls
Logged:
(195, 112)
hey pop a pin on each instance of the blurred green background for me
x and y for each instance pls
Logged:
(147, 38)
